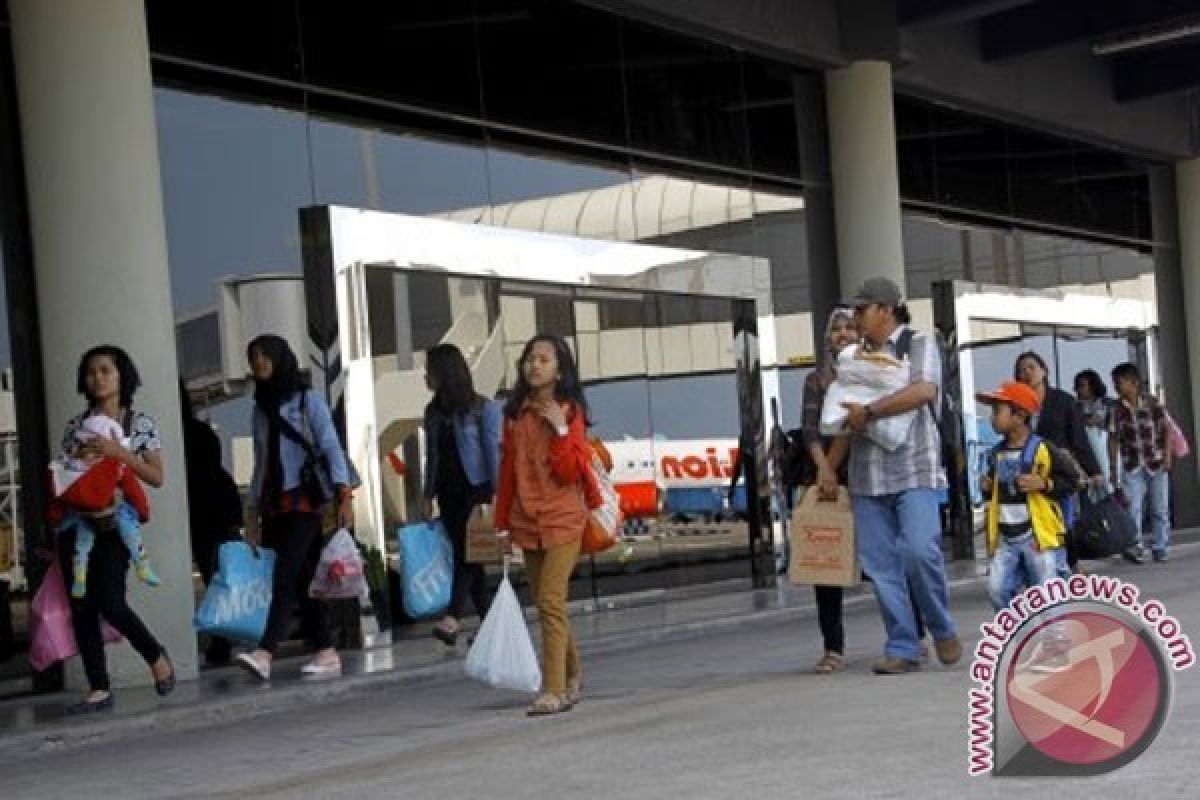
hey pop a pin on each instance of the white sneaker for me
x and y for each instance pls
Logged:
(315, 668)
(248, 662)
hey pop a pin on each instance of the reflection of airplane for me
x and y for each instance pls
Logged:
(686, 477)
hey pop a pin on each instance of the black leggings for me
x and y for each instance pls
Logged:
(297, 542)
(107, 564)
(470, 580)
(829, 617)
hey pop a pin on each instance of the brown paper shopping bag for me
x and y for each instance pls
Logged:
(482, 545)
(823, 549)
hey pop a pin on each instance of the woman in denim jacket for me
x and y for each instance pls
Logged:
(462, 457)
(284, 513)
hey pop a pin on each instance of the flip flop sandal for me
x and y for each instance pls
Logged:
(547, 704)
(830, 663)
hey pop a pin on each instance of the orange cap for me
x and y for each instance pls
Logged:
(1015, 394)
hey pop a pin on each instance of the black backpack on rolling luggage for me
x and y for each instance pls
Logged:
(1104, 528)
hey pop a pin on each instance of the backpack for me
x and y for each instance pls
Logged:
(1063, 490)
(1028, 455)
(798, 468)
(945, 415)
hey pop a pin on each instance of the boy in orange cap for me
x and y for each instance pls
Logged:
(1024, 522)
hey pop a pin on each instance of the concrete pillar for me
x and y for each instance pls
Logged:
(866, 187)
(1173, 345)
(1179, 292)
(86, 104)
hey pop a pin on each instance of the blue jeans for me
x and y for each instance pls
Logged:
(1142, 486)
(1017, 564)
(899, 538)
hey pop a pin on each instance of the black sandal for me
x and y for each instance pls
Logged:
(167, 685)
(448, 638)
(86, 706)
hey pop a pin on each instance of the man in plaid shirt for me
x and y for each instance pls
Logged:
(1139, 440)
(895, 493)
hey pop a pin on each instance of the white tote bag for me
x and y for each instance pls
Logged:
(502, 655)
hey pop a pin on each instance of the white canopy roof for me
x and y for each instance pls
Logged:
(643, 208)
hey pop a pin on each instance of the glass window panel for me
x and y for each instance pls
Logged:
(771, 119)
(419, 52)
(542, 71)
(265, 42)
(686, 97)
(1096, 352)
(915, 150)
(233, 178)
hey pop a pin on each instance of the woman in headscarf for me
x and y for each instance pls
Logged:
(299, 467)
(840, 332)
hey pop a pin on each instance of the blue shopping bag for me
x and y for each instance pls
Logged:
(238, 598)
(426, 568)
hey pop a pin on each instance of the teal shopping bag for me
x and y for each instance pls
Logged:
(237, 600)
(426, 568)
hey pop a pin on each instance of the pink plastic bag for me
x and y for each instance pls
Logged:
(53, 637)
(1175, 438)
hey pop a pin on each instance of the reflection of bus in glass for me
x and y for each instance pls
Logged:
(683, 479)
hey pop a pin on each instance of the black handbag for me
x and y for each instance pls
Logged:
(1104, 528)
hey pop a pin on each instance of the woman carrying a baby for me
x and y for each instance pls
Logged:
(110, 435)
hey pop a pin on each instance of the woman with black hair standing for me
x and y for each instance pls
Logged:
(1096, 408)
(288, 493)
(543, 498)
(108, 379)
(1060, 423)
(462, 460)
(214, 505)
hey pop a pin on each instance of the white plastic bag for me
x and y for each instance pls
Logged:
(503, 655)
(340, 571)
(864, 381)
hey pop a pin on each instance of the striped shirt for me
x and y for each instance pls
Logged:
(916, 464)
(1013, 504)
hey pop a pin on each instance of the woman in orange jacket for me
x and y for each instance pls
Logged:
(543, 499)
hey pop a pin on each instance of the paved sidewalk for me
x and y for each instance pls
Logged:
(735, 714)
(38, 724)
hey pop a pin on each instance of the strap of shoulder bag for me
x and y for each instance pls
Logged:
(289, 430)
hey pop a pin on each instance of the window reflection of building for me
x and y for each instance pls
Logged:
(661, 139)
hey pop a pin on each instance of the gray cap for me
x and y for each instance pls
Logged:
(876, 290)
